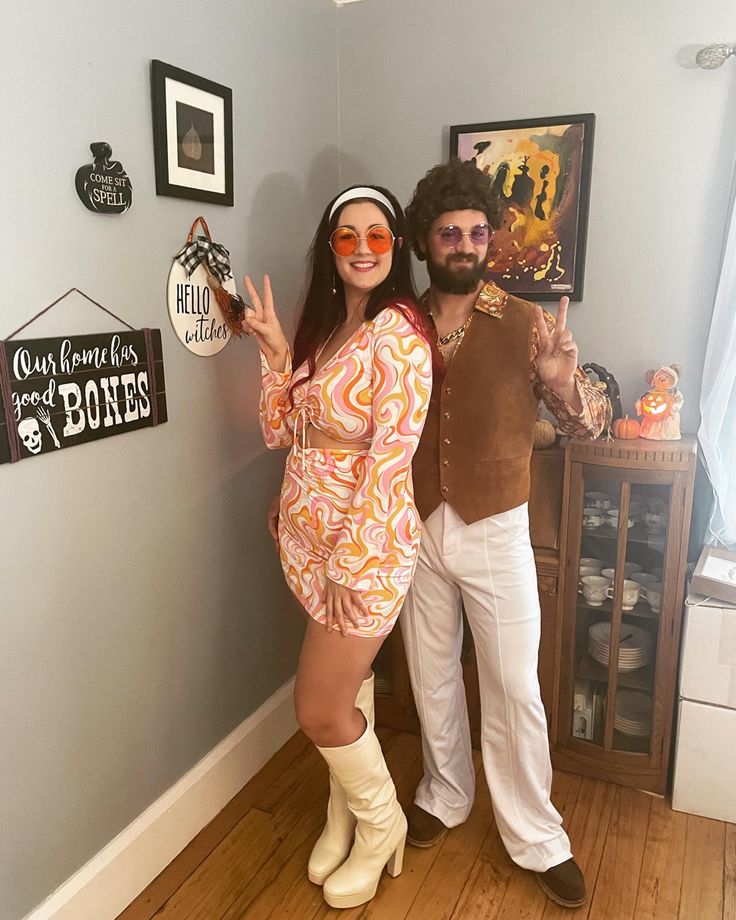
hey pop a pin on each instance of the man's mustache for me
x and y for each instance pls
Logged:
(469, 258)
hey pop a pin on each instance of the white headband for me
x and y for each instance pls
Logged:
(363, 192)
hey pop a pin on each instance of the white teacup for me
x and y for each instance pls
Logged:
(645, 579)
(630, 568)
(612, 518)
(592, 518)
(656, 521)
(654, 595)
(592, 563)
(631, 594)
(598, 500)
(594, 589)
(588, 570)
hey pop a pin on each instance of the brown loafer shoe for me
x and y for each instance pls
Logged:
(564, 884)
(424, 829)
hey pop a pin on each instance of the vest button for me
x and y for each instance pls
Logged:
(447, 440)
(447, 414)
(444, 489)
(448, 390)
(445, 463)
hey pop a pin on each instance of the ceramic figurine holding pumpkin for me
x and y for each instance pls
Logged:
(660, 406)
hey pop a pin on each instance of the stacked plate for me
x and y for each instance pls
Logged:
(635, 645)
(633, 713)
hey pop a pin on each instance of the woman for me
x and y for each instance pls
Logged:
(352, 411)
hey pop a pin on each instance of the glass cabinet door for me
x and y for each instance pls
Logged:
(621, 563)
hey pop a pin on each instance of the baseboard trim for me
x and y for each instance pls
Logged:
(115, 876)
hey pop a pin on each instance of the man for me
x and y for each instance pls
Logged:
(471, 482)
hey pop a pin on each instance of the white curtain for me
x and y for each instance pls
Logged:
(717, 433)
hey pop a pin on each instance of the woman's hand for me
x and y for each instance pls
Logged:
(263, 323)
(273, 519)
(344, 605)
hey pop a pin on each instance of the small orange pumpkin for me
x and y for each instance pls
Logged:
(544, 433)
(626, 428)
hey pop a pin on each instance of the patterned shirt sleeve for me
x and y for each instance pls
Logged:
(596, 411)
(378, 530)
(276, 414)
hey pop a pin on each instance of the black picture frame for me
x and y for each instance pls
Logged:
(520, 252)
(176, 96)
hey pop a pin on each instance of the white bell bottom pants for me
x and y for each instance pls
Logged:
(487, 568)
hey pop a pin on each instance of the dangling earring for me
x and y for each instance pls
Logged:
(334, 282)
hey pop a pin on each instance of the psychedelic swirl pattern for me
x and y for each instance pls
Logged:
(349, 514)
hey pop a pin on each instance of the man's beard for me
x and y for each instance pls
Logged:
(456, 281)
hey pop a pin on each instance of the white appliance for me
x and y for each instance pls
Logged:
(705, 751)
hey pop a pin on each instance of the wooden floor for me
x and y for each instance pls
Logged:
(640, 858)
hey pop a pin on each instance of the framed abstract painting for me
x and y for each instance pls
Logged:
(192, 135)
(541, 170)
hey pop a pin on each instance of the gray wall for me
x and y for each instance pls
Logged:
(143, 613)
(664, 145)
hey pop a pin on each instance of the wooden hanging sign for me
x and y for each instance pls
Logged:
(58, 392)
(104, 185)
(204, 307)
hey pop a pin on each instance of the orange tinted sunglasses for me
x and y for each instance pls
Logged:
(344, 241)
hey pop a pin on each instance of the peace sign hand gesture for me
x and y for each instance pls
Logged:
(557, 357)
(263, 323)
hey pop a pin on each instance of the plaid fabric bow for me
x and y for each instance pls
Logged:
(204, 250)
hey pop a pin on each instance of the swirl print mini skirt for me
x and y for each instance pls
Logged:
(316, 496)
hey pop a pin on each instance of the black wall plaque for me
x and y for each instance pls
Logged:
(59, 392)
(104, 185)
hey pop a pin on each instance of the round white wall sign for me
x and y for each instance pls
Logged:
(194, 312)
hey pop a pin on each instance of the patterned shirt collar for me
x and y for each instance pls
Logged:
(492, 300)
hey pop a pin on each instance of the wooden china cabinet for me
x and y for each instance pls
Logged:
(617, 512)
(626, 512)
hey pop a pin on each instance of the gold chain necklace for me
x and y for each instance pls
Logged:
(455, 334)
(449, 344)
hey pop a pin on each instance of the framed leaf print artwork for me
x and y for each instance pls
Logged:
(192, 135)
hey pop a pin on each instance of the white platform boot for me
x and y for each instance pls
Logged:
(380, 832)
(335, 841)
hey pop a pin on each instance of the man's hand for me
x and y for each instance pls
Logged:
(273, 519)
(557, 358)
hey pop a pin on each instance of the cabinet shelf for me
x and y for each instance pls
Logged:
(637, 745)
(642, 610)
(621, 744)
(637, 534)
(640, 679)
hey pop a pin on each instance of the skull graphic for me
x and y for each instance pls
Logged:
(30, 434)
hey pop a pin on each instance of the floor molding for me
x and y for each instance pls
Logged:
(104, 887)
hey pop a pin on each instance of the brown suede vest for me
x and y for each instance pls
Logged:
(476, 446)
